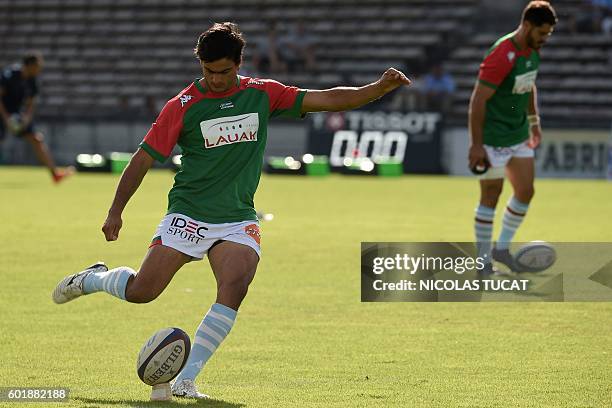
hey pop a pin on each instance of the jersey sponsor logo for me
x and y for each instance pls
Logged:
(226, 105)
(187, 230)
(230, 130)
(524, 83)
(511, 56)
(528, 64)
(252, 231)
(184, 99)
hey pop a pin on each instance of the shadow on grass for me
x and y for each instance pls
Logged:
(152, 404)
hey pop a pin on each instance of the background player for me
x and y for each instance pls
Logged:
(503, 114)
(220, 123)
(18, 91)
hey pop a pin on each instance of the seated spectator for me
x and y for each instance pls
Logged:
(298, 49)
(588, 18)
(438, 88)
(267, 58)
(605, 7)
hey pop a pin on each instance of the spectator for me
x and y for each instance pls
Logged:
(605, 7)
(298, 49)
(588, 18)
(267, 58)
(438, 88)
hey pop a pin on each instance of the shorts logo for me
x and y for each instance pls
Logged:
(230, 130)
(253, 231)
(187, 230)
(502, 151)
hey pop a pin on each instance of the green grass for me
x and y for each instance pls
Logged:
(302, 338)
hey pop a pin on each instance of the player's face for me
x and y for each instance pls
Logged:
(220, 75)
(539, 35)
(33, 70)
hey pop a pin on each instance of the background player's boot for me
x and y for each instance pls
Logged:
(61, 174)
(187, 389)
(504, 256)
(71, 287)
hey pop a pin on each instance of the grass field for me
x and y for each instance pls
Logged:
(302, 337)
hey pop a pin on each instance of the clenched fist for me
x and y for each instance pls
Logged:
(391, 79)
(111, 227)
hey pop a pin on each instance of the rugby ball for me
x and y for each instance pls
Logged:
(163, 356)
(535, 256)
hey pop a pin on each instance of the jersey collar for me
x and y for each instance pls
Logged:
(516, 44)
(204, 89)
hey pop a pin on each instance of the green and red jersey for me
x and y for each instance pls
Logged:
(512, 72)
(222, 137)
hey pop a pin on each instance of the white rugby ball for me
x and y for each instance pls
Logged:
(535, 256)
(163, 356)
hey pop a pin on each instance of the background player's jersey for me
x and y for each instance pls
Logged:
(16, 89)
(222, 139)
(512, 72)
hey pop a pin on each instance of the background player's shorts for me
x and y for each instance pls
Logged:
(195, 238)
(4, 131)
(500, 156)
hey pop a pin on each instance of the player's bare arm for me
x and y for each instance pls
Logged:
(535, 130)
(131, 178)
(480, 96)
(346, 98)
(3, 112)
(28, 113)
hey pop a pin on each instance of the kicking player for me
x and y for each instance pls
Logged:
(18, 90)
(220, 122)
(505, 128)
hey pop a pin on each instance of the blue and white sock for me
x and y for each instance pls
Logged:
(483, 226)
(513, 217)
(112, 282)
(212, 331)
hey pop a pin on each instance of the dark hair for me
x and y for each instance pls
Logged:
(222, 40)
(31, 58)
(539, 13)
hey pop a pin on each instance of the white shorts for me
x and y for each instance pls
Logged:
(195, 238)
(500, 156)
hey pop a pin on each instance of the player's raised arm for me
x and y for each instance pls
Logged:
(131, 178)
(346, 98)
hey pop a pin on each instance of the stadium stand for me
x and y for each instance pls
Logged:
(101, 52)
